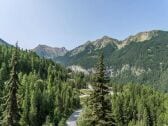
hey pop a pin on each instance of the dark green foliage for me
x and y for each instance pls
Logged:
(48, 93)
(11, 113)
(137, 105)
(131, 104)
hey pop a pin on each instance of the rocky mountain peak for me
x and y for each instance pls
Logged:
(104, 41)
(140, 37)
(96, 44)
(49, 52)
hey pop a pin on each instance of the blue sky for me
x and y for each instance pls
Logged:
(70, 23)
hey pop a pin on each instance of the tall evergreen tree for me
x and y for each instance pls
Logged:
(11, 114)
(25, 119)
(98, 105)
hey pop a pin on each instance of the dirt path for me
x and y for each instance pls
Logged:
(73, 118)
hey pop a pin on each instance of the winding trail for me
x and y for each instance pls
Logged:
(73, 118)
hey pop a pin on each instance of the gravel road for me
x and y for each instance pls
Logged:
(73, 118)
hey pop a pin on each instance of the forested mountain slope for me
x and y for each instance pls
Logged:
(142, 62)
(138, 59)
(47, 92)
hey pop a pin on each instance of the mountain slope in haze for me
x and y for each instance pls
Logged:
(49, 52)
(2, 42)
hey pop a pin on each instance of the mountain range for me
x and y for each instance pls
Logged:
(141, 58)
(89, 51)
(86, 54)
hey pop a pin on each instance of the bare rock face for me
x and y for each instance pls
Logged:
(77, 68)
(140, 37)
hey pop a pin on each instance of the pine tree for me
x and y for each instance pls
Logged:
(38, 104)
(3, 78)
(26, 103)
(98, 105)
(3, 73)
(101, 106)
(11, 114)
